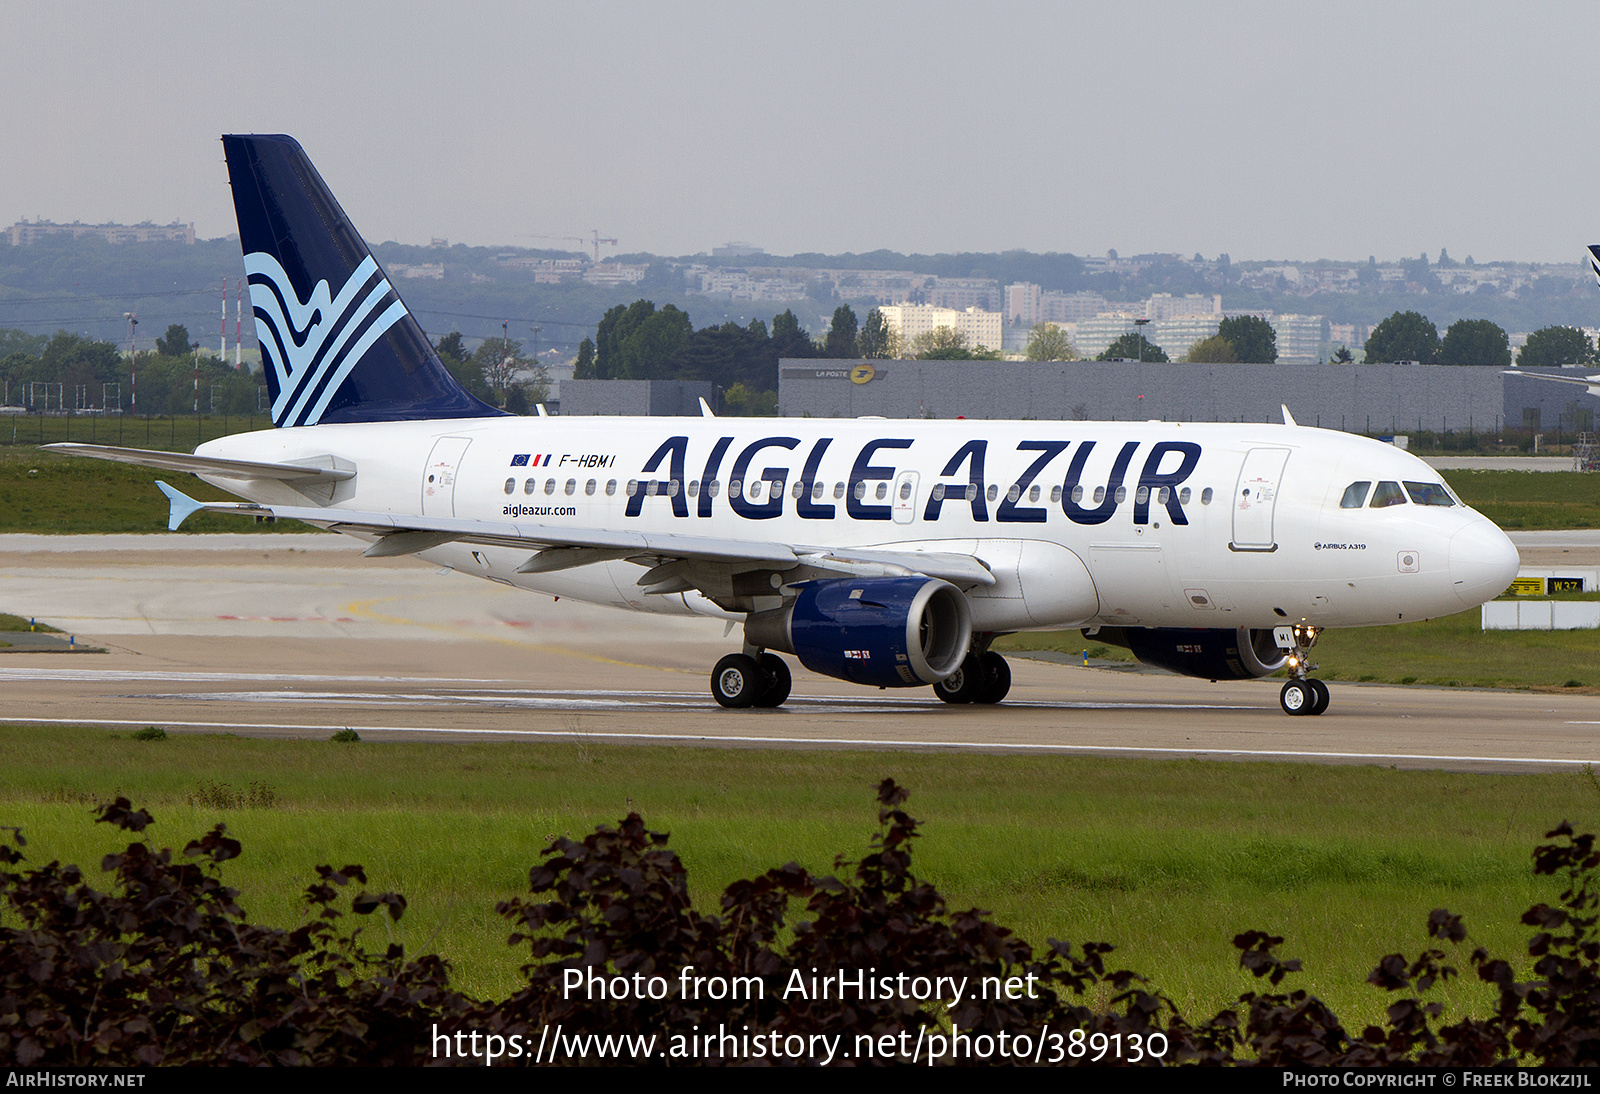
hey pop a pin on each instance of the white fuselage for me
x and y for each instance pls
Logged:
(1215, 525)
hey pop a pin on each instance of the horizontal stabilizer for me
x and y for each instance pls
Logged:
(205, 465)
(183, 506)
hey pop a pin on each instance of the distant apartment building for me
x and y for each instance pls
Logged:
(24, 233)
(614, 273)
(1177, 334)
(1163, 305)
(962, 293)
(545, 271)
(1094, 336)
(1028, 304)
(1173, 335)
(1301, 338)
(982, 328)
(734, 283)
(1349, 335)
(425, 271)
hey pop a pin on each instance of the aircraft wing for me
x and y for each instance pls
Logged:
(323, 470)
(559, 547)
(1592, 383)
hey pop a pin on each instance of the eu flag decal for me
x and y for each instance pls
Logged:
(520, 461)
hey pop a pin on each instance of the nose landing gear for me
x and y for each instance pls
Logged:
(1302, 694)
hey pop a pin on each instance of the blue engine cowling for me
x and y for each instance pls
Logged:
(1211, 654)
(888, 632)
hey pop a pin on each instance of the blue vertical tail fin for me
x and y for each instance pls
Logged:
(337, 342)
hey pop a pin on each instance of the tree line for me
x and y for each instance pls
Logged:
(1402, 337)
(66, 371)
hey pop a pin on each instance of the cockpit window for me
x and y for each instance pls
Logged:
(1429, 493)
(1388, 493)
(1355, 495)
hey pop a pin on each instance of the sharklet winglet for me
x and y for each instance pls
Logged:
(183, 506)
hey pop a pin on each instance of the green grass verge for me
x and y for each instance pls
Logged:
(1166, 860)
(17, 623)
(44, 492)
(1452, 652)
(1522, 499)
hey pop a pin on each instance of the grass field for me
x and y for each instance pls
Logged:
(1452, 652)
(1166, 860)
(44, 492)
(1521, 499)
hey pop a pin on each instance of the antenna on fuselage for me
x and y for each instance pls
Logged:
(705, 408)
(1288, 419)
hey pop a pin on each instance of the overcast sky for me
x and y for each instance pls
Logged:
(1264, 130)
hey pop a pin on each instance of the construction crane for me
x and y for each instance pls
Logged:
(594, 239)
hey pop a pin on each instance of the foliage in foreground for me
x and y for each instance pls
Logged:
(165, 967)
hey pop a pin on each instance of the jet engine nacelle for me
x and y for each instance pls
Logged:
(1211, 654)
(888, 632)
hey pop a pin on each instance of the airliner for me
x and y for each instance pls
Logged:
(883, 553)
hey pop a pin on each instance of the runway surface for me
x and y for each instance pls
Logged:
(298, 636)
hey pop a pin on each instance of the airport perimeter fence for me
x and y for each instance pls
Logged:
(169, 432)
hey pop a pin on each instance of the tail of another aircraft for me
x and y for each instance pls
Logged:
(337, 343)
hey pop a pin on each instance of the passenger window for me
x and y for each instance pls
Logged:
(672, 488)
(1355, 495)
(549, 486)
(860, 491)
(971, 492)
(838, 490)
(1163, 494)
(1429, 493)
(588, 488)
(572, 487)
(633, 487)
(1388, 493)
(816, 491)
(938, 491)
(611, 487)
(905, 490)
(1122, 494)
(1033, 494)
(694, 487)
(511, 484)
(755, 489)
(1055, 493)
(1205, 496)
(714, 487)
(883, 490)
(994, 491)
(1183, 496)
(1142, 495)
(1014, 493)
(529, 486)
(734, 488)
(1099, 494)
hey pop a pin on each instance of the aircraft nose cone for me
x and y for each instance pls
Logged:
(1483, 562)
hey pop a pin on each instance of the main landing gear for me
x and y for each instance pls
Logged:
(754, 678)
(982, 678)
(1302, 694)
